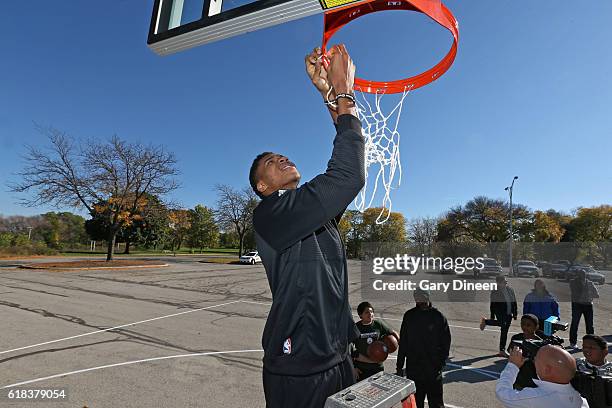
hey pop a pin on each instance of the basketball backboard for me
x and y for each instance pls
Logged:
(177, 25)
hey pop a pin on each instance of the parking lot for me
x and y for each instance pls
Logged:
(188, 335)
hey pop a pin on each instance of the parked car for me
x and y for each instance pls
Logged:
(445, 270)
(591, 274)
(490, 268)
(542, 264)
(250, 258)
(555, 270)
(525, 268)
(571, 272)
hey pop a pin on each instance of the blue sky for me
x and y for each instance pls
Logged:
(530, 94)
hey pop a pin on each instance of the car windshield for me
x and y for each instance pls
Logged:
(251, 254)
(526, 263)
(489, 262)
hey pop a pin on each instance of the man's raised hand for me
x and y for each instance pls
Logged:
(341, 70)
(317, 73)
(516, 357)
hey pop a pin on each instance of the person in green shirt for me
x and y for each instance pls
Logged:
(370, 331)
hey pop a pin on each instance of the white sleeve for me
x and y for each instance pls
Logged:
(511, 398)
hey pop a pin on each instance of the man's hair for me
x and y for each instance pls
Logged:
(362, 307)
(531, 317)
(500, 278)
(600, 341)
(253, 173)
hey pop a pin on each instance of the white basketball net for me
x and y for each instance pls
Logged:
(382, 152)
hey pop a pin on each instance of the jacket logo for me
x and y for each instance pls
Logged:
(287, 346)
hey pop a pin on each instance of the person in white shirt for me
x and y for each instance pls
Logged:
(555, 368)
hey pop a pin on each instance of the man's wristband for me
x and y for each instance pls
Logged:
(333, 104)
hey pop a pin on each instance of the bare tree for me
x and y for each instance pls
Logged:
(423, 232)
(235, 211)
(72, 174)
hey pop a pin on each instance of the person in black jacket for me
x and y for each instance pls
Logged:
(310, 326)
(583, 292)
(503, 309)
(425, 340)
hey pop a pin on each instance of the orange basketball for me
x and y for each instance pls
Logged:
(378, 351)
(391, 343)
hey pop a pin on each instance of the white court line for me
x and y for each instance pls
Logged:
(486, 373)
(480, 371)
(117, 327)
(211, 353)
(19, 384)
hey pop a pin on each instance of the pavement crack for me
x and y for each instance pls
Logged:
(35, 290)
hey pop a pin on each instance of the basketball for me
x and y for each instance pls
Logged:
(378, 351)
(391, 343)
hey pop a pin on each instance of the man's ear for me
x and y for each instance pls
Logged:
(262, 187)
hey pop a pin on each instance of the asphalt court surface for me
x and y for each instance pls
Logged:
(189, 335)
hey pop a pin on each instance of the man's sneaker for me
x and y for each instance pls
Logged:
(483, 324)
(503, 353)
(572, 346)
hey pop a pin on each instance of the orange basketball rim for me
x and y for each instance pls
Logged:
(337, 18)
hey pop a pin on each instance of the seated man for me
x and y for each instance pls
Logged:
(370, 330)
(595, 350)
(555, 368)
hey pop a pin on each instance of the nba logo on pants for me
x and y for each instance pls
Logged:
(287, 346)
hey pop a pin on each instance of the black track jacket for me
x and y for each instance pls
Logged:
(310, 325)
(425, 340)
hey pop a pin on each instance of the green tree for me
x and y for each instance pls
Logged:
(180, 225)
(593, 224)
(130, 222)
(62, 229)
(351, 232)
(592, 227)
(485, 220)
(228, 239)
(393, 230)
(547, 228)
(203, 232)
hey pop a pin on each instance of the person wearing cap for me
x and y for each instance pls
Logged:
(503, 309)
(424, 345)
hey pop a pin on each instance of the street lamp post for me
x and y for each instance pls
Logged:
(509, 190)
